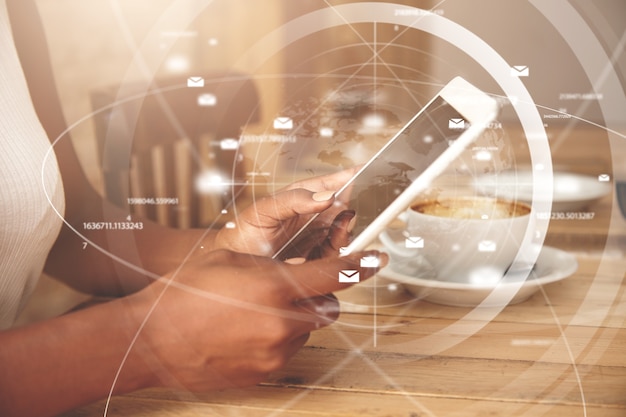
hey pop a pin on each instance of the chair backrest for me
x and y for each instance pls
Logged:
(153, 141)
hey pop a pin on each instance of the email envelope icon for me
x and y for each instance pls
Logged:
(519, 71)
(604, 178)
(414, 242)
(369, 261)
(283, 123)
(229, 144)
(349, 275)
(195, 82)
(456, 124)
(207, 100)
(487, 246)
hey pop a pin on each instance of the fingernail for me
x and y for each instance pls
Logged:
(323, 195)
(383, 259)
(327, 309)
(351, 224)
(295, 261)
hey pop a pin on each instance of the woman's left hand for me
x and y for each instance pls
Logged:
(267, 225)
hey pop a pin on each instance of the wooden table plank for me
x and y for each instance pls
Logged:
(475, 339)
(593, 296)
(416, 375)
(280, 401)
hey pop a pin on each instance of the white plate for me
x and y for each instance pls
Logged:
(571, 192)
(552, 265)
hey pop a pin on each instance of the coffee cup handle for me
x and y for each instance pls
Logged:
(392, 245)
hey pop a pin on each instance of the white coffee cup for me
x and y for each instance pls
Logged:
(469, 239)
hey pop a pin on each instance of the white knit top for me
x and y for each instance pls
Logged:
(28, 224)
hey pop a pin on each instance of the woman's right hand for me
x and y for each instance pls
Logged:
(229, 319)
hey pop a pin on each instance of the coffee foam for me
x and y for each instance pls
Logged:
(471, 208)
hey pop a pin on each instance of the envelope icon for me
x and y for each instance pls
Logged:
(229, 144)
(414, 242)
(207, 100)
(195, 82)
(456, 123)
(519, 71)
(349, 275)
(283, 123)
(369, 261)
(604, 178)
(487, 246)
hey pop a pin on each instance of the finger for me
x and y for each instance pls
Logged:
(339, 232)
(296, 344)
(332, 181)
(284, 205)
(337, 236)
(326, 275)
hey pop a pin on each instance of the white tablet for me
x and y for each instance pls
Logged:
(389, 182)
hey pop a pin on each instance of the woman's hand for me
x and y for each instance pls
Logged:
(224, 320)
(230, 319)
(264, 227)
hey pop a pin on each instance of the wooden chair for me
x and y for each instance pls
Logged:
(153, 141)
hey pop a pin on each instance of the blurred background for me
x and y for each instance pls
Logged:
(156, 90)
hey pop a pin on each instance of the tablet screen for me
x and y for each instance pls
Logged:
(392, 169)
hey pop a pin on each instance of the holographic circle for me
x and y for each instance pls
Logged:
(488, 58)
(574, 30)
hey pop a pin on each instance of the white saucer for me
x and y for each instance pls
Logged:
(552, 265)
(571, 192)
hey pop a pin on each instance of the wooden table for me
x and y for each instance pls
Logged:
(560, 353)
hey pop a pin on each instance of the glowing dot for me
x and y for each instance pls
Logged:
(326, 132)
(567, 185)
(483, 156)
(209, 182)
(485, 276)
(428, 139)
(213, 41)
(177, 63)
(373, 121)
(456, 247)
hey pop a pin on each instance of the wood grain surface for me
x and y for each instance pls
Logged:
(560, 353)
